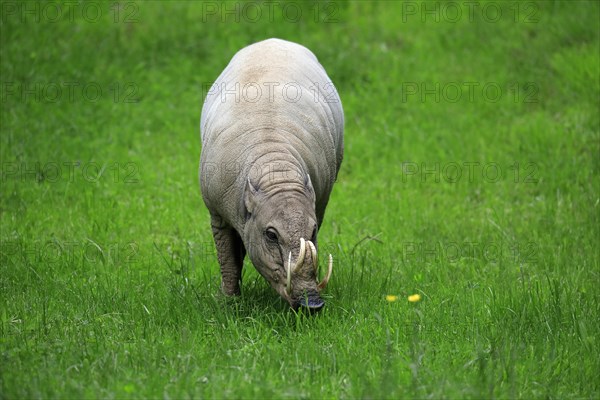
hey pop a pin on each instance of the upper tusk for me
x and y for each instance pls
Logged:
(300, 258)
(328, 276)
(314, 255)
(288, 286)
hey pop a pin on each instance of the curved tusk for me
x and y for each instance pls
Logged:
(300, 258)
(329, 271)
(314, 255)
(288, 287)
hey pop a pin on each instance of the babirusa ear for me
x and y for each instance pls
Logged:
(250, 194)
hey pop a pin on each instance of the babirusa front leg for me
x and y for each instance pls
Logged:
(231, 253)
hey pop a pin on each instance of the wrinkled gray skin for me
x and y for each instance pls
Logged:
(272, 144)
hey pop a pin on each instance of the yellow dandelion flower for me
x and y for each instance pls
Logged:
(391, 298)
(414, 298)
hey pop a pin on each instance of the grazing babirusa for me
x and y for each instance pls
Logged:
(272, 130)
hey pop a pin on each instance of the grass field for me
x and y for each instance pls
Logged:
(471, 178)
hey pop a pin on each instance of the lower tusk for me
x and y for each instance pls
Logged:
(300, 258)
(328, 276)
(314, 255)
(288, 287)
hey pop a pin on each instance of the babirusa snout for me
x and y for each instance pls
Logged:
(300, 260)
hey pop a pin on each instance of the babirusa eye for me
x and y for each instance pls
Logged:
(271, 235)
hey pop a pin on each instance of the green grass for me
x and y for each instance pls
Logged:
(109, 283)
